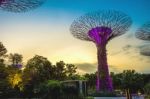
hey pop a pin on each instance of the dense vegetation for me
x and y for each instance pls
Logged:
(39, 78)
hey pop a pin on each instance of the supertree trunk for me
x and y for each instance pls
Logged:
(104, 82)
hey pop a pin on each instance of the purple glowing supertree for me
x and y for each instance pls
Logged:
(100, 27)
(143, 32)
(20, 5)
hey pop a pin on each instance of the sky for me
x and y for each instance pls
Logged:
(45, 31)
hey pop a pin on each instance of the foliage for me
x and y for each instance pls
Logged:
(54, 89)
(103, 94)
(147, 89)
(38, 69)
(7, 88)
(130, 79)
(41, 79)
(91, 79)
(60, 71)
(3, 50)
(15, 58)
(71, 70)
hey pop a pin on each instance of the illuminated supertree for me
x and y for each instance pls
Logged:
(143, 32)
(20, 5)
(100, 27)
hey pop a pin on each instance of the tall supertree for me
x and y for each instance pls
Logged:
(143, 32)
(20, 5)
(100, 27)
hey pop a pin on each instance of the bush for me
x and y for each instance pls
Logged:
(147, 91)
(104, 94)
(70, 92)
(54, 89)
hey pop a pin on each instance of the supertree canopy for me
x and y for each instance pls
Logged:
(20, 5)
(143, 32)
(100, 27)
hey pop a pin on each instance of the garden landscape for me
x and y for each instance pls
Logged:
(63, 49)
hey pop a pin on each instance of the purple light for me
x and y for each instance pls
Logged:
(19, 66)
(97, 84)
(100, 36)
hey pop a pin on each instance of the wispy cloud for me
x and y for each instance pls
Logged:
(87, 67)
(145, 50)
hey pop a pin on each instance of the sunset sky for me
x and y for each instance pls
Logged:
(45, 31)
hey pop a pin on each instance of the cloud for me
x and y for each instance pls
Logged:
(127, 47)
(115, 53)
(87, 67)
(145, 50)
(91, 68)
(113, 68)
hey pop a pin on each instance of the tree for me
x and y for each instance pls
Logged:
(7, 82)
(60, 71)
(132, 81)
(38, 70)
(16, 59)
(117, 80)
(100, 27)
(146, 78)
(91, 79)
(3, 52)
(20, 5)
(71, 70)
(147, 91)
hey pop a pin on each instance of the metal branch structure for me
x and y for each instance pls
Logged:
(143, 32)
(20, 5)
(100, 27)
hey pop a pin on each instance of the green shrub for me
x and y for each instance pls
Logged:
(104, 94)
(54, 89)
(70, 92)
(147, 91)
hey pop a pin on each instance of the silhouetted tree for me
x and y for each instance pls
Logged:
(16, 59)
(147, 91)
(91, 79)
(71, 71)
(131, 80)
(3, 52)
(60, 71)
(38, 70)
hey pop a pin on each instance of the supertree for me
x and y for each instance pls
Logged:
(143, 32)
(20, 5)
(100, 27)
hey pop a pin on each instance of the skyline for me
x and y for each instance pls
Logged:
(45, 31)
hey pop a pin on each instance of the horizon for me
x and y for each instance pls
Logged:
(45, 31)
